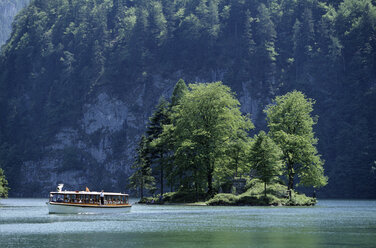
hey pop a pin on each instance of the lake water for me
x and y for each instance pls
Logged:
(339, 223)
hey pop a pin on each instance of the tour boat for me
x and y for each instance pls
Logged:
(75, 202)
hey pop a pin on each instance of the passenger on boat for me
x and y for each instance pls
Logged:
(102, 197)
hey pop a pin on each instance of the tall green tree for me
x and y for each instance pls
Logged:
(167, 138)
(205, 121)
(142, 178)
(265, 157)
(291, 127)
(238, 153)
(179, 90)
(160, 132)
(158, 150)
(3, 185)
(265, 53)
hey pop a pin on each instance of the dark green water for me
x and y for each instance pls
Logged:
(26, 223)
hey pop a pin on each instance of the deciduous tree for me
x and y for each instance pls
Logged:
(205, 121)
(291, 127)
(265, 157)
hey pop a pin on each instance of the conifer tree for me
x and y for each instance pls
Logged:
(158, 150)
(142, 178)
(168, 138)
(179, 90)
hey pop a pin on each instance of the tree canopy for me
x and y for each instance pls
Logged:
(142, 178)
(206, 144)
(291, 127)
(265, 157)
(206, 120)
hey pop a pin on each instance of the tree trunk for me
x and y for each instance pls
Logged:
(290, 185)
(196, 184)
(196, 188)
(291, 175)
(265, 189)
(142, 190)
(162, 178)
(236, 165)
(210, 185)
(210, 181)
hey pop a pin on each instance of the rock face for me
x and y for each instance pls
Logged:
(8, 10)
(98, 153)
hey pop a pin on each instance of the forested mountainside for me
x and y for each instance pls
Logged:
(79, 79)
(8, 9)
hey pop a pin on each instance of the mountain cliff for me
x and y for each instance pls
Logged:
(79, 79)
(8, 9)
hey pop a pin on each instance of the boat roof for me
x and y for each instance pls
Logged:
(87, 193)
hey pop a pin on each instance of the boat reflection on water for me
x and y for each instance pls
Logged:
(74, 202)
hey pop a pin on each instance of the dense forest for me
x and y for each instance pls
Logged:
(65, 57)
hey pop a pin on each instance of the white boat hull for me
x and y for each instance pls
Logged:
(61, 208)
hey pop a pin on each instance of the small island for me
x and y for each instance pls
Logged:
(200, 145)
(276, 195)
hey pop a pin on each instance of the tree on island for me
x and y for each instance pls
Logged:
(158, 151)
(238, 153)
(265, 158)
(166, 138)
(290, 123)
(3, 185)
(142, 178)
(205, 122)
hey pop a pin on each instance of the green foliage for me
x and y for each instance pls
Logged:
(179, 90)
(223, 200)
(290, 123)
(205, 121)
(158, 149)
(254, 196)
(265, 157)
(142, 178)
(61, 54)
(3, 185)
(203, 140)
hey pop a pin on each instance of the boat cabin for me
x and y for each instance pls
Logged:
(84, 197)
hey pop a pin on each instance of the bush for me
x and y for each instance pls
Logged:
(181, 196)
(300, 200)
(254, 196)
